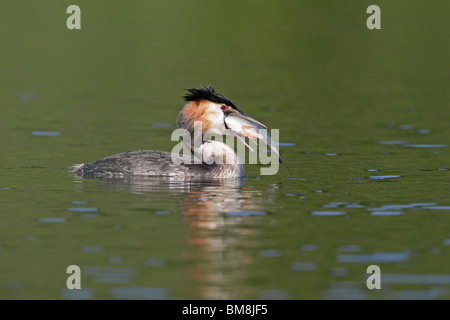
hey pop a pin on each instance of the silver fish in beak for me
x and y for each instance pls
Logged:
(242, 126)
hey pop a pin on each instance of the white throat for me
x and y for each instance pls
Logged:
(217, 152)
(220, 157)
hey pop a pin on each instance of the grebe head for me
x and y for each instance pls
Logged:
(219, 115)
(208, 107)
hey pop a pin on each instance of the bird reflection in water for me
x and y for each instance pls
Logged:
(220, 231)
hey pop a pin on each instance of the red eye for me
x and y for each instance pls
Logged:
(223, 107)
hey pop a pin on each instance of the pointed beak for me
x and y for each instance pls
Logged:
(242, 126)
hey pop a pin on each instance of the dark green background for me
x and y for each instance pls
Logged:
(309, 68)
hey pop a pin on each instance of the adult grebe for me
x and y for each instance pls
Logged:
(209, 159)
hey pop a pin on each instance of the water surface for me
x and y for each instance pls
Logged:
(363, 118)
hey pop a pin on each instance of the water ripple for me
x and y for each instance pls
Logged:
(52, 220)
(303, 266)
(392, 142)
(83, 209)
(433, 279)
(424, 145)
(270, 253)
(245, 213)
(386, 213)
(376, 257)
(328, 213)
(46, 133)
(79, 294)
(384, 177)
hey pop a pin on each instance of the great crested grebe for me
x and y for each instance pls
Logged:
(209, 159)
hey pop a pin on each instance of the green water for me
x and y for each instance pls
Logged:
(309, 68)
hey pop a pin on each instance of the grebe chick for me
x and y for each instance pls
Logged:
(209, 159)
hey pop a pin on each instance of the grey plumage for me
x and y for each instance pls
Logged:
(152, 163)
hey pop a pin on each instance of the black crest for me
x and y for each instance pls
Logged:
(207, 93)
